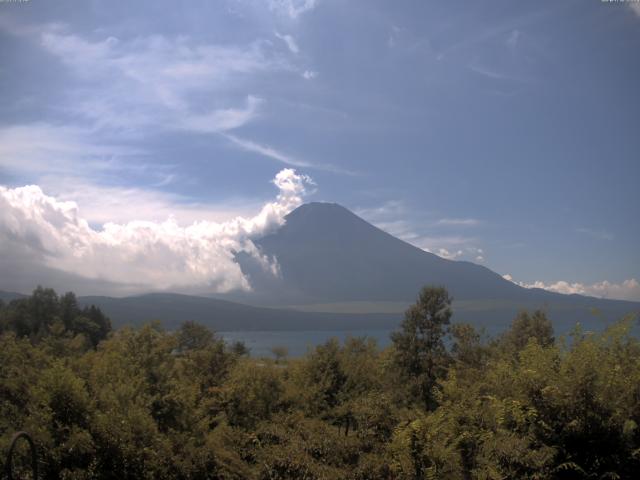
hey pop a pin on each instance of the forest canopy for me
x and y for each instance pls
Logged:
(442, 401)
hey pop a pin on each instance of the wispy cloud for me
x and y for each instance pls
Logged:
(266, 151)
(292, 8)
(43, 148)
(392, 217)
(626, 290)
(157, 81)
(394, 33)
(597, 234)
(459, 222)
(512, 39)
(222, 120)
(274, 154)
(389, 208)
(102, 204)
(289, 42)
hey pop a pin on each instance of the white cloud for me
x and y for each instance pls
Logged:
(459, 222)
(102, 204)
(447, 241)
(289, 41)
(389, 208)
(512, 40)
(444, 253)
(635, 6)
(223, 119)
(597, 234)
(279, 156)
(157, 83)
(309, 74)
(50, 148)
(627, 290)
(160, 81)
(69, 160)
(474, 253)
(388, 217)
(392, 39)
(267, 151)
(159, 62)
(150, 255)
(292, 8)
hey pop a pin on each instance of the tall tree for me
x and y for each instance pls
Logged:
(526, 326)
(420, 354)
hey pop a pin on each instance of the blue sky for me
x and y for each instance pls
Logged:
(504, 133)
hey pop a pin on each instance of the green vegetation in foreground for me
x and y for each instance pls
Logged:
(146, 403)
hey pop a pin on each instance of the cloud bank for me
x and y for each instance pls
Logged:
(626, 290)
(142, 255)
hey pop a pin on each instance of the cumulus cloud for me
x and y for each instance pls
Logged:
(626, 290)
(477, 254)
(309, 74)
(444, 253)
(149, 255)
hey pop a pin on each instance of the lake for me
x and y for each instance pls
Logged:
(298, 342)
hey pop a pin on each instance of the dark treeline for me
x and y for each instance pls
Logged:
(442, 401)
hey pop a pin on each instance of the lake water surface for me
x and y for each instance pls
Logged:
(298, 342)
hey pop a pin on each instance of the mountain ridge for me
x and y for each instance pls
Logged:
(328, 254)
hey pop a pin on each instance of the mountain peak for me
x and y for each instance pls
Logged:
(327, 254)
(324, 219)
(320, 206)
(319, 209)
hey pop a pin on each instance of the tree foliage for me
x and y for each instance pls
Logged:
(147, 403)
(419, 350)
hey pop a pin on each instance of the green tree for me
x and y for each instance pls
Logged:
(280, 353)
(239, 349)
(420, 353)
(467, 348)
(526, 326)
(193, 336)
(252, 393)
(93, 323)
(324, 378)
